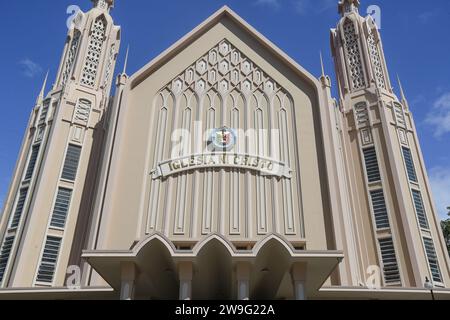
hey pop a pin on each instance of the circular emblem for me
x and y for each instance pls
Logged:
(223, 139)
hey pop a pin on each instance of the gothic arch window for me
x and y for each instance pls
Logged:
(376, 60)
(73, 49)
(165, 101)
(95, 45)
(353, 52)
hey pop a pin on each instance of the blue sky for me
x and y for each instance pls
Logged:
(415, 37)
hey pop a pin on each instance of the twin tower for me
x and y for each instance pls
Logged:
(47, 211)
(378, 210)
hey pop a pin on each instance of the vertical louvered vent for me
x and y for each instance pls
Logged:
(399, 115)
(49, 260)
(19, 208)
(379, 209)
(5, 254)
(32, 162)
(83, 110)
(373, 171)
(409, 164)
(71, 163)
(432, 260)
(362, 114)
(61, 208)
(390, 266)
(44, 112)
(420, 209)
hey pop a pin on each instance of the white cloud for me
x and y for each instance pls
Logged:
(30, 68)
(314, 6)
(427, 16)
(440, 183)
(326, 5)
(439, 116)
(271, 3)
(301, 6)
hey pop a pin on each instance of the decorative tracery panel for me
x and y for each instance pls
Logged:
(68, 66)
(109, 66)
(354, 60)
(376, 60)
(96, 40)
(224, 88)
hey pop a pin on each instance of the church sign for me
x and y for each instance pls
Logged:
(265, 166)
(219, 155)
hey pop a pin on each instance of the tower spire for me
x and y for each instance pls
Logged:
(126, 61)
(402, 93)
(40, 98)
(324, 79)
(321, 64)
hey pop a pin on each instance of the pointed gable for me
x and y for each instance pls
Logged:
(229, 19)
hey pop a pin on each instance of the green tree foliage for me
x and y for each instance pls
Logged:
(446, 230)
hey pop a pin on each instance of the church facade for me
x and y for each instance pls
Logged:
(222, 169)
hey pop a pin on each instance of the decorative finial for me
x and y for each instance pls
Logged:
(402, 92)
(348, 6)
(324, 79)
(40, 98)
(321, 64)
(103, 4)
(126, 61)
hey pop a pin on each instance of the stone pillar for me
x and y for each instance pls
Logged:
(185, 273)
(128, 277)
(298, 274)
(243, 280)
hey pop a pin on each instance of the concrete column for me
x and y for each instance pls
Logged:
(128, 277)
(298, 274)
(185, 273)
(243, 280)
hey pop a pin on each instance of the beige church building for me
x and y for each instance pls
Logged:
(222, 169)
